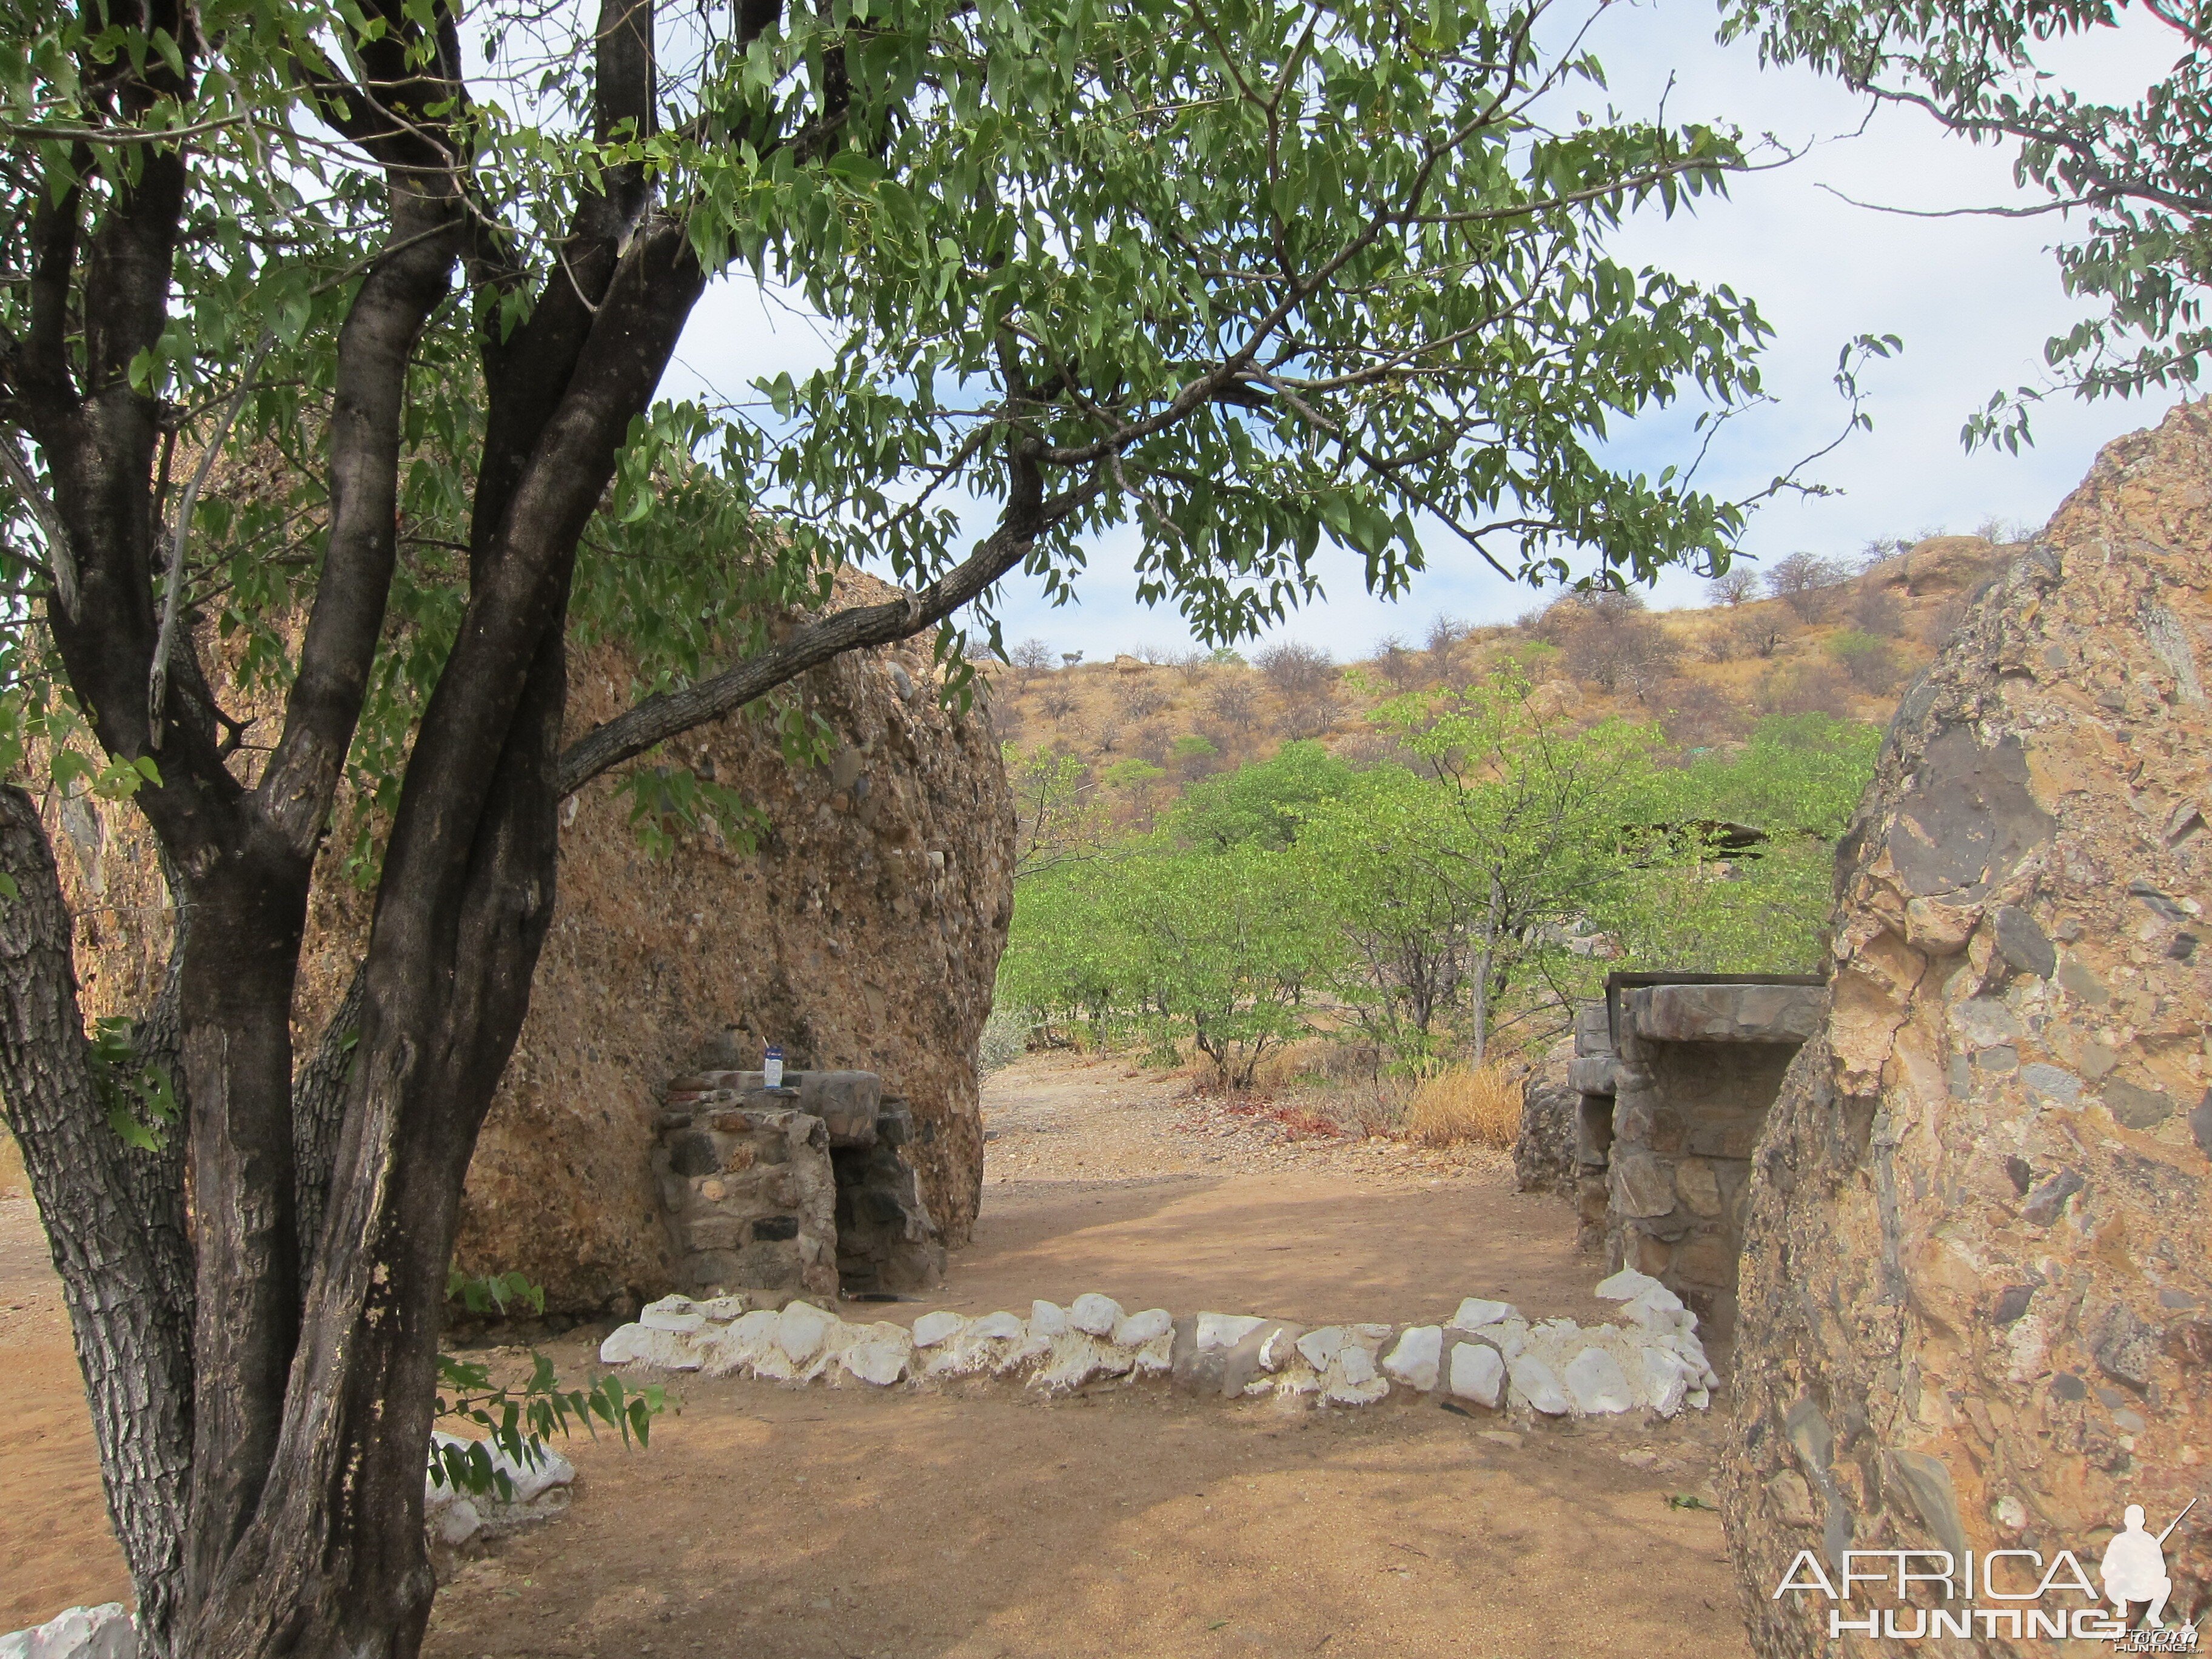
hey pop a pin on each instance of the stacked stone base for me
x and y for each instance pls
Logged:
(806, 1188)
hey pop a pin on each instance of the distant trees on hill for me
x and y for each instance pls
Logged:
(1428, 905)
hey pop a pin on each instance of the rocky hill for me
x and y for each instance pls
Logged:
(1145, 726)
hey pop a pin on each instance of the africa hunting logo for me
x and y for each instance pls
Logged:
(2016, 1582)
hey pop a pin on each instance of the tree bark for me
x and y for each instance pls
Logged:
(114, 1223)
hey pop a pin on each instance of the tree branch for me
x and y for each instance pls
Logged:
(670, 713)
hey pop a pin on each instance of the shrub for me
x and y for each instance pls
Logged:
(1476, 1104)
(1870, 663)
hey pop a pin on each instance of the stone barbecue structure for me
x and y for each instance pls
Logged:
(1675, 1074)
(805, 1188)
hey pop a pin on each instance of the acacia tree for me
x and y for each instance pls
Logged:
(328, 373)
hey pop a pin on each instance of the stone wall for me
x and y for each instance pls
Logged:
(1976, 1295)
(1672, 1108)
(804, 1190)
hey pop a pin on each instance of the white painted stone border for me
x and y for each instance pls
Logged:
(1487, 1354)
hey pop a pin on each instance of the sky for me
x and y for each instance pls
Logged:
(1972, 298)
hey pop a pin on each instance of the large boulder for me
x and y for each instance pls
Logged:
(864, 932)
(1976, 1291)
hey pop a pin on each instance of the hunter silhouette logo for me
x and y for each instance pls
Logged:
(2135, 1567)
(2013, 1593)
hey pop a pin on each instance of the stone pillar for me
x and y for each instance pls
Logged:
(1696, 1066)
(748, 1195)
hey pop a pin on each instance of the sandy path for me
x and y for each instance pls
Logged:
(978, 1523)
(56, 1549)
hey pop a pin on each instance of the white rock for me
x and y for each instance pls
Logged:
(1094, 1315)
(99, 1632)
(1217, 1330)
(1477, 1373)
(456, 1522)
(1626, 1285)
(1476, 1311)
(996, 1342)
(1320, 1346)
(721, 1309)
(933, 1328)
(1047, 1320)
(1537, 1385)
(1511, 1335)
(1353, 1366)
(1698, 1399)
(740, 1345)
(672, 1313)
(1075, 1358)
(1156, 1356)
(636, 1344)
(878, 1362)
(1596, 1384)
(774, 1366)
(1416, 1356)
(1345, 1393)
(1372, 1336)
(1276, 1349)
(527, 1482)
(1138, 1329)
(801, 1329)
(1665, 1382)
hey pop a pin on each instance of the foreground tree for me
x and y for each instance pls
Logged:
(328, 376)
(2138, 170)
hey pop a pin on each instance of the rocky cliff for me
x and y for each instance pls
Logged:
(864, 932)
(1976, 1286)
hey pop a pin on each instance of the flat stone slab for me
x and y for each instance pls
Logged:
(1726, 1013)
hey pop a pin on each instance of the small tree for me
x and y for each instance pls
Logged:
(1383, 863)
(1266, 803)
(1031, 659)
(1544, 825)
(1295, 670)
(1226, 950)
(1612, 640)
(1058, 817)
(1870, 663)
(1806, 584)
(1233, 702)
(1734, 587)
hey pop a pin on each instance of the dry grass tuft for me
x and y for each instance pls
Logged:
(1480, 1104)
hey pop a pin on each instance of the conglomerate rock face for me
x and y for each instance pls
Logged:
(1976, 1291)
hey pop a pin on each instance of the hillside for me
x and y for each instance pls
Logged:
(1134, 732)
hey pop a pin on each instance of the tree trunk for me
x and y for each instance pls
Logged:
(114, 1222)
(1485, 954)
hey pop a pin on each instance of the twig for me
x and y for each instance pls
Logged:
(157, 682)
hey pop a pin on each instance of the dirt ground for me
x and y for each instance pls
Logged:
(978, 1522)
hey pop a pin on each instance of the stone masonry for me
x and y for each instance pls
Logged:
(1673, 1103)
(802, 1190)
